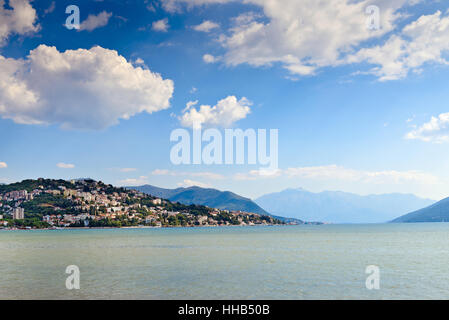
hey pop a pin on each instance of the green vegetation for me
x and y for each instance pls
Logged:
(104, 205)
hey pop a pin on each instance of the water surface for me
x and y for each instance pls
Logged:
(285, 262)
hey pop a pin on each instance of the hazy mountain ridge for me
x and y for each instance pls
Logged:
(340, 207)
(437, 212)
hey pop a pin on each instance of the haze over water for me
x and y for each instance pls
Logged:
(290, 262)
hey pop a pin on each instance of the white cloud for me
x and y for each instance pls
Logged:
(161, 172)
(191, 183)
(206, 26)
(207, 175)
(378, 177)
(83, 89)
(436, 130)
(63, 165)
(410, 119)
(127, 169)
(334, 172)
(160, 25)
(51, 8)
(21, 19)
(123, 170)
(189, 105)
(95, 21)
(223, 114)
(150, 6)
(139, 62)
(130, 182)
(290, 37)
(306, 35)
(176, 5)
(3, 165)
(258, 174)
(208, 58)
(422, 41)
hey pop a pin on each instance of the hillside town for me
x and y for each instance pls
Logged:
(85, 203)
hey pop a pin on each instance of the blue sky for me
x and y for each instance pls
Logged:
(357, 110)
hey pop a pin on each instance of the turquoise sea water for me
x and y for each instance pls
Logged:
(291, 262)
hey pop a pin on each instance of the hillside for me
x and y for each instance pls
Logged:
(438, 212)
(47, 203)
(224, 200)
(340, 207)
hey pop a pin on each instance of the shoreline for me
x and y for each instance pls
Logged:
(149, 227)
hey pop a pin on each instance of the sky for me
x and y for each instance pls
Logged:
(359, 99)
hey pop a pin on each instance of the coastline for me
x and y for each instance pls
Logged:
(147, 227)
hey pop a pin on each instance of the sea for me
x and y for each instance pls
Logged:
(377, 261)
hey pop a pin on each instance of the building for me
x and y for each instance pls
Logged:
(69, 193)
(18, 214)
(157, 201)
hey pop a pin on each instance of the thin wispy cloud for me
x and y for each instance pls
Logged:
(207, 175)
(51, 8)
(124, 170)
(191, 183)
(63, 165)
(206, 26)
(335, 172)
(132, 182)
(95, 21)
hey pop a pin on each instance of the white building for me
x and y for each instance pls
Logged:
(18, 214)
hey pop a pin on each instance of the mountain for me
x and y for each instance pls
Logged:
(340, 207)
(438, 212)
(213, 198)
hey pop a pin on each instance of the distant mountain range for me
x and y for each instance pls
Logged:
(298, 205)
(340, 207)
(213, 198)
(438, 212)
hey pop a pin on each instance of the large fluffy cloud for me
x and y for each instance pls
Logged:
(422, 41)
(305, 35)
(82, 89)
(21, 19)
(223, 114)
